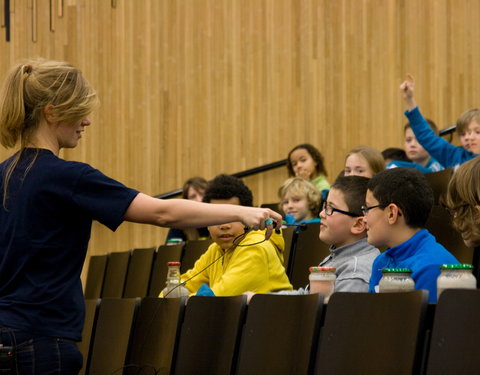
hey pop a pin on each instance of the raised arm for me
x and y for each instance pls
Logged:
(408, 88)
(182, 213)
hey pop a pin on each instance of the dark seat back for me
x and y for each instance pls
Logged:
(454, 346)
(439, 223)
(95, 276)
(307, 250)
(139, 271)
(115, 274)
(84, 346)
(192, 251)
(209, 336)
(439, 183)
(280, 334)
(368, 333)
(164, 254)
(112, 335)
(155, 335)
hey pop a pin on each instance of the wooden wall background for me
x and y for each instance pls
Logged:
(200, 87)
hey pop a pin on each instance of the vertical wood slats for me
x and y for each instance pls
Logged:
(204, 87)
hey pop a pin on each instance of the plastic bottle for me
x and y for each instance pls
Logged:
(458, 276)
(173, 288)
(396, 280)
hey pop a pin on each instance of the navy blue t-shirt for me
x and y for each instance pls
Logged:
(44, 233)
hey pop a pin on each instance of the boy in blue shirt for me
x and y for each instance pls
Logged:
(448, 155)
(397, 205)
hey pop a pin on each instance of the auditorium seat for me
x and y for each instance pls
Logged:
(112, 335)
(307, 250)
(273, 206)
(91, 310)
(164, 254)
(368, 333)
(288, 238)
(209, 336)
(439, 223)
(155, 336)
(439, 183)
(454, 346)
(280, 334)
(192, 250)
(115, 274)
(139, 271)
(95, 276)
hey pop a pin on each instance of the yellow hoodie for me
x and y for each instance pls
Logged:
(257, 268)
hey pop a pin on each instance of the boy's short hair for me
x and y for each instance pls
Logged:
(226, 187)
(466, 118)
(354, 189)
(408, 189)
(299, 187)
(395, 153)
(432, 124)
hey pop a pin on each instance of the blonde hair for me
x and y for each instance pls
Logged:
(466, 118)
(463, 199)
(373, 157)
(299, 187)
(31, 88)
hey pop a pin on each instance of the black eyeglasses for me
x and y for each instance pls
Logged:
(329, 210)
(365, 209)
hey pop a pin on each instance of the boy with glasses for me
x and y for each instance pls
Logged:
(397, 205)
(342, 227)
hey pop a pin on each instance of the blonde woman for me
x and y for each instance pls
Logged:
(47, 211)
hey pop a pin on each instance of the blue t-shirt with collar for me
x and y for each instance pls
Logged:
(44, 234)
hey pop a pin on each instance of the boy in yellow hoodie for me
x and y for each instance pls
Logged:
(239, 260)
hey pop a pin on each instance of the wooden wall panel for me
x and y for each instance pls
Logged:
(201, 87)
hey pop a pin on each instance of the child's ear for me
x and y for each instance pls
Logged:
(359, 226)
(393, 213)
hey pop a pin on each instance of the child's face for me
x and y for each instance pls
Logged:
(470, 139)
(336, 228)
(297, 206)
(357, 165)
(195, 195)
(303, 164)
(376, 221)
(414, 150)
(224, 234)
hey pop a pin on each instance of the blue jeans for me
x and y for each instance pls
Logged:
(42, 355)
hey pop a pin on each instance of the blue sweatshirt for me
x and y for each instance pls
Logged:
(422, 254)
(447, 154)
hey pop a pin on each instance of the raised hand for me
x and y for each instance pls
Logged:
(407, 89)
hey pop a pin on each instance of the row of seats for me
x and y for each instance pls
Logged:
(142, 272)
(356, 333)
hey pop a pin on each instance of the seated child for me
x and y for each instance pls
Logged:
(193, 189)
(307, 162)
(300, 201)
(420, 158)
(463, 200)
(364, 161)
(394, 153)
(448, 155)
(397, 205)
(238, 260)
(342, 227)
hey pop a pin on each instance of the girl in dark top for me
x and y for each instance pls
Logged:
(47, 210)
